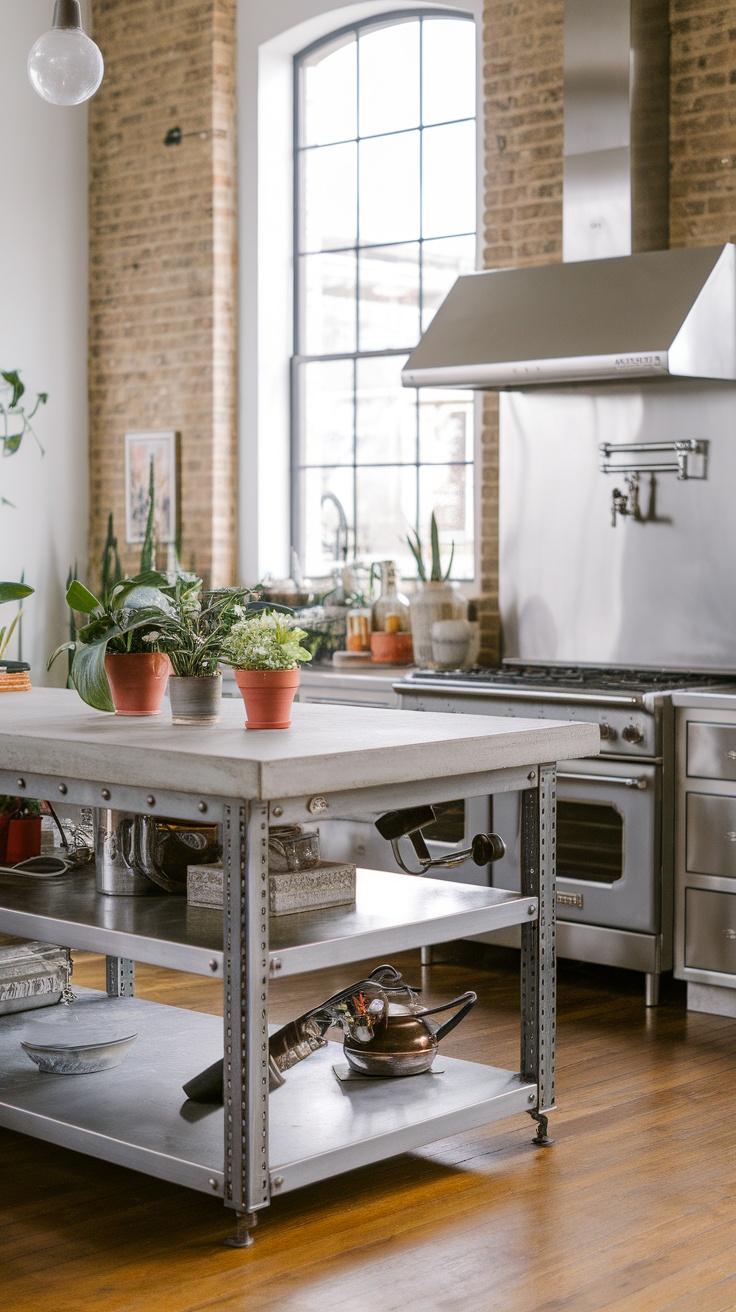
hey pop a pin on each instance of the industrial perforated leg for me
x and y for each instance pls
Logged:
(245, 1091)
(538, 965)
(119, 977)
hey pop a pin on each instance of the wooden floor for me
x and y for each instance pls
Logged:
(632, 1210)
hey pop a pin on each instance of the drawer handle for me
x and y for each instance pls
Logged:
(729, 933)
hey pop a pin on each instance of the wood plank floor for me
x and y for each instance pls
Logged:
(632, 1210)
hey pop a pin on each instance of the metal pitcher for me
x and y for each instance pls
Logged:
(140, 855)
(116, 871)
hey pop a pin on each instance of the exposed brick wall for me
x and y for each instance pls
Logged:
(162, 264)
(702, 122)
(522, 75)
(162, 227)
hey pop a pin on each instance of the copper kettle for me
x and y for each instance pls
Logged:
(404, 1040)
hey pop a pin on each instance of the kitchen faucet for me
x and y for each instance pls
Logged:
(341, 535)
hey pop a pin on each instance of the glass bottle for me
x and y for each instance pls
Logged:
(391, 608)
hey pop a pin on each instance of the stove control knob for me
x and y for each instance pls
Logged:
(608, 733)
(632, 734)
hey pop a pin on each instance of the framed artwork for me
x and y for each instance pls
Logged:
(140, 450)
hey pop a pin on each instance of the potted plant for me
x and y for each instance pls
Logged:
(20, 829)
(114, 668)
(436, 598)
(265, 652)
(193, 634)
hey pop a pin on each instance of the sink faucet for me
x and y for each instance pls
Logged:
(341, 534)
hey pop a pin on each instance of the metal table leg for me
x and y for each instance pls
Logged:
(245, 881)
(119, 977)
(538, 967)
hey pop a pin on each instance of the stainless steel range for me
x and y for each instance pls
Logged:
(615, 813)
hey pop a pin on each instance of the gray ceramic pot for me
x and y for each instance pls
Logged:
(195, 700)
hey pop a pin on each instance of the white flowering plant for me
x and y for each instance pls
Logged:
(268, 641)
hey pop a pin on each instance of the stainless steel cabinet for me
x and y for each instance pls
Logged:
(705, 854)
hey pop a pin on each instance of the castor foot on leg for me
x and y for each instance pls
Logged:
(541, 1138)
(244, 1223)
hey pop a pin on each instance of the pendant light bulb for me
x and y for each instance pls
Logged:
(65, 66)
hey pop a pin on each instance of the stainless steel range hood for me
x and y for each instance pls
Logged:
(641, 316)
(619, 306)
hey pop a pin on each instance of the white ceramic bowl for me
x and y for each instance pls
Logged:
(80, 1059)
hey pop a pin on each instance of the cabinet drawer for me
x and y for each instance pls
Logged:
(710, 930)
(711, 751)
(711, 834)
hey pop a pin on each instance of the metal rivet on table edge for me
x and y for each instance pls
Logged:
(63, 789)
(316, 805)
(532, 775)
(212, 1183)
(202, 807)
(278, 810)
(275, 965)
(532, 1097)
(151, 800)
(530, 910)
(213, 964)
(277, 1182)
(20, 783)
(106, 794)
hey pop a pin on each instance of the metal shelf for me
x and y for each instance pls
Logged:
(319, 1126)
(392, 913)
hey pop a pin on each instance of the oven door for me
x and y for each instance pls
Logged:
(608, 844)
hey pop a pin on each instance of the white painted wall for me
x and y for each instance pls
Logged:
(269, 35)
(43, 333)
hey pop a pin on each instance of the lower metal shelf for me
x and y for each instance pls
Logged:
(136, 1115)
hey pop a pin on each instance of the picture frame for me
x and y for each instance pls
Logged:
(140, 450)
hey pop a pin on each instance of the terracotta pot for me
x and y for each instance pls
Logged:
(194, 699)
(23, 839)
(268, 695)
(392, 648)
(137, 681)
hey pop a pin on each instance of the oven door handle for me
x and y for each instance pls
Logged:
(602, 779)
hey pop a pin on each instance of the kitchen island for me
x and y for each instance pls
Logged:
(334, 763)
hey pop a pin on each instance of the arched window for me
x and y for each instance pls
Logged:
(384, 223)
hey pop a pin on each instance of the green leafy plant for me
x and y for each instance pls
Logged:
(417, 551)
(15, 808)
(194, 632)
(112, 570)
(117, 624)
(267, 641)
(15, 419)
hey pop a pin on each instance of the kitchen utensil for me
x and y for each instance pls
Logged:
(82, 1059)
(292, 848)
(403, 1041)
(79, 1039)
(301, 1037)
(142, 854)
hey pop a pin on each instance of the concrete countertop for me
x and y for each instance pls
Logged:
(338, 748)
